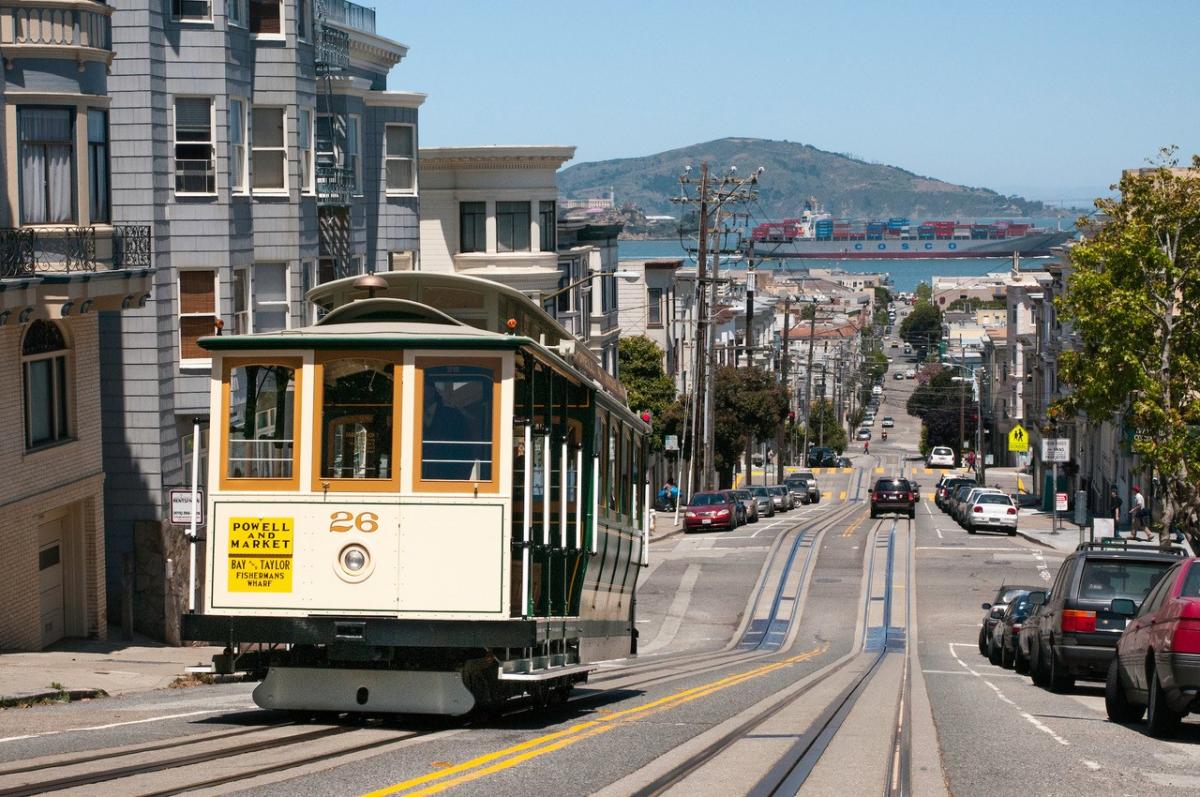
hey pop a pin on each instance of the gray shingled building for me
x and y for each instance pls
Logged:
(259, 142)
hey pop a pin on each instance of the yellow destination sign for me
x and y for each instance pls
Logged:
(1018, 439)
(260, 554)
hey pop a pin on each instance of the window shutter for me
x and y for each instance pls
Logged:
(196, 292)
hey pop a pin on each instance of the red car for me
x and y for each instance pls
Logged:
(711, 510)
(1157, 666)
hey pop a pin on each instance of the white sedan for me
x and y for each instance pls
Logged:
(991, 511)
(941, 457)
(888, 423)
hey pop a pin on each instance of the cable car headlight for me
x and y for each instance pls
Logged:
(354, 563)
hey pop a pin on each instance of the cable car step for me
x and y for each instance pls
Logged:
(546, 674)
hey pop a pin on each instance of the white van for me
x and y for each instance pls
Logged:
(908, 348)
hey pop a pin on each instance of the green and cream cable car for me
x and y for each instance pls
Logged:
(432, 499)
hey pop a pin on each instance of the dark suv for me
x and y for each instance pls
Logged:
(804, 486)
(1075, 631)
(894, 495)
(822, 457)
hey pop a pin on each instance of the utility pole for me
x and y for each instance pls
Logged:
(812, 333)
(962, 403)
(787, 387)
(749, 347)
(713, 195)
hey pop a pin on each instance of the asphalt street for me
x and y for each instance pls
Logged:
(731, 625)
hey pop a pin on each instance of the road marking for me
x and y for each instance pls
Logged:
(500, 760)
(961, 672)
(1034, 721)
(879, 470)
(842, 495)
(674, 619)
(231, 707)
(1092, 765)
(939, 533)
(959, 548)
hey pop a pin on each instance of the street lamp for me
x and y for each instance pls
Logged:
(625, 275)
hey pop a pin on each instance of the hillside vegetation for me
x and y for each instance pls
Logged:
(844, 186)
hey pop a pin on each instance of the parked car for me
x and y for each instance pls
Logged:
(863, 434)
(894, 495)
(1077, 630)
(992, 511)
(747, 499)
(762, 497)
(898, 376)
(741, 508)
(1157, 666)
(994, 611)
(782, 497)
(945, 487)
(877, 390)
(888, 422)
(962, 507)
(941, 457)
(1004, 649)
(821, 457)
(803, 485)
(911, 373)
(711, 510)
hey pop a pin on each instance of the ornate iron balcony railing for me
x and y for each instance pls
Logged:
(335, 185)
(28, 251)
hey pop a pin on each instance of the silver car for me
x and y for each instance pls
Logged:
(766, 503)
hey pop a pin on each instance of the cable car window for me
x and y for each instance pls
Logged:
(457, 423)
(356, 419)
(261, 416)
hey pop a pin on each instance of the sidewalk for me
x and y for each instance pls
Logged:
(79, 669)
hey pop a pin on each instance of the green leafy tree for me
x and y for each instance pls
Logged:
(923, 292)
(882, 296)
(1133, 301)
(747, 402)
(649, 387)
(807, 312)
(824, 428)
(939, 403)
(923, 326)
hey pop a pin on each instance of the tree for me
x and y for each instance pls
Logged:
(883, 296)
(939, 403)
(824, 427)
(806, 312)
(748, 403)
(1133, 301)
(923, 326)
(648, 386)
(923, 292)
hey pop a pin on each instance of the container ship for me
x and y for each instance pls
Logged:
(818, 235)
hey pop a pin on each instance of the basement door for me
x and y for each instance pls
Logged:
(50, 580)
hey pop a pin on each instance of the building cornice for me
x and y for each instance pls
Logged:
(495, 157)
(394, 99)
(57, 98)
(371, 49)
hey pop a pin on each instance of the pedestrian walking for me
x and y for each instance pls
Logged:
(1114, 500)
(1137, 514)
(867, 447)
(971, 460)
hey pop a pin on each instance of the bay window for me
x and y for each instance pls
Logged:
(47, 164)
(512, 226)
(195, 163)
(269, 149)
(399, 156)
(305, 137)
(266, 17)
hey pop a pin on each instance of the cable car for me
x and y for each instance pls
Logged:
(432, 499)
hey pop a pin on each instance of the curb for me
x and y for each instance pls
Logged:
(50, 695)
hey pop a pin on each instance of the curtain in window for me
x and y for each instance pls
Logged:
(46, 195)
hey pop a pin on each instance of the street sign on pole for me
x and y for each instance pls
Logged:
(670, 442)
(1060, 502)
(1018, 439)
(1056, 449)
(180, 500)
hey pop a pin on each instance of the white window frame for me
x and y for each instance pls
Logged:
(195, 362)
(246, 326)
(282, 34)
(254, 148)
(411, 158)
(284, 304)
(308, 154)
(240, 181)
(239, 12)
(212, 140)
(356, 119)
(193, 20)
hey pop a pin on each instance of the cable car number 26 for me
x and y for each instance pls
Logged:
(342, 522)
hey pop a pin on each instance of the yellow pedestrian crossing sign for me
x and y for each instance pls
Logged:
(1018, 439)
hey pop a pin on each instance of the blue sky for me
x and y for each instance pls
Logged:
(1046, 99)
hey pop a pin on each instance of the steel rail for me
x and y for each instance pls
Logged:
(791, 771)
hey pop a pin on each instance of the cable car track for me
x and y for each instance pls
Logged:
(790, 772)
(733, 653)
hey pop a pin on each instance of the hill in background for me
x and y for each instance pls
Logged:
(844, 186)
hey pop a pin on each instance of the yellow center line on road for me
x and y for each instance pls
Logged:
(509, 757)
(849, 532)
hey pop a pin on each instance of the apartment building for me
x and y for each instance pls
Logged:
(257, 139)
(492, 212)
(65, 260)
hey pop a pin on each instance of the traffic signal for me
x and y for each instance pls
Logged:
(646, 416)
